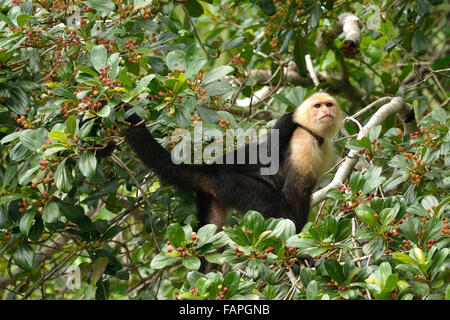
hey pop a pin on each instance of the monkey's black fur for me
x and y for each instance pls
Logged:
(240, 186)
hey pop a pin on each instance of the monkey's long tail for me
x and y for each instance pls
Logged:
(158, 159)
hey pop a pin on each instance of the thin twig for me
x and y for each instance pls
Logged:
(131, 174)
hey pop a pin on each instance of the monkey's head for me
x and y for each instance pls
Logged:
(321, 114)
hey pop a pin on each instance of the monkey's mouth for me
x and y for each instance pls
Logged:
(327, 116)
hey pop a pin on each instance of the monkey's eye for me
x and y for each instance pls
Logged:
(329, 104)
(317, 105)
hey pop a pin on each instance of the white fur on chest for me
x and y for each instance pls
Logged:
(307, 157)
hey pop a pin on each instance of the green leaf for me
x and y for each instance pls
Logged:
(23, 256)
(385, 271)
(236, 42)
(254, 221)
(284, 229)
(216, 74)
(214, 257)
(87, 164)
(439, 258)
(236, 235)
(419, 41)
(26, 178)
(403, 257)
(26, 221)
(144, 82)
(98, 267)
(334, 270)
(366, 214)
(58, 135)
(312, 290)
(299, 55)
(71, 125)
(113, 62)
(418, 253)
(33, 139)
(11, 197)
(175, 234)
(205, 233)
(231, 281)
(386, 216)
(284, 100)
(192, 60)
(125, 79)
(98, 57)
(344, 230)
(315, 17)
(50, 213)
(161, 260)
(422, 7)
(335, 195)
(75, 214)
(269, 292)
(101, 5)
(208, 115)
(11, 137)
(63, 177)
(217, 88)
(267, 7)
(22, 20)
(191, 263)
(83, 69)
(63, 92)
(194, 8)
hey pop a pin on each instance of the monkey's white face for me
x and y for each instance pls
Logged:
(321, 114)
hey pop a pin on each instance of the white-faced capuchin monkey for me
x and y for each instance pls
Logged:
(305, 153)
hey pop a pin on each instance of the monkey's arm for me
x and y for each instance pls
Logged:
(155, 157)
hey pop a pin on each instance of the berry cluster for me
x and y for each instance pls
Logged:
(446, 228)
(418, 167)
(24, 121)
(236, 60)
(239, 252)
(222, 291)
(36, 203)
(195, 118)
(108, 44)
(195, 85)
(289, 258)
(58, 6)
(334, 283)
(103, 77)
(153, 37)
(190, 246)
(14, 29)
(223, 123)
(133, 55)
(33, 38)
(429, 135)
(130, 10)
(357, 199)
(369, 154)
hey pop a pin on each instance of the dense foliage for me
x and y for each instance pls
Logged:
(74, 225)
